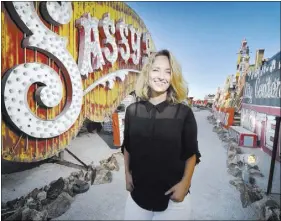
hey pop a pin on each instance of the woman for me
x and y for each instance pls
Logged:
(160, 143)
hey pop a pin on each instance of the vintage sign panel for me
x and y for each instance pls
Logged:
(61, 63)
(263, 86)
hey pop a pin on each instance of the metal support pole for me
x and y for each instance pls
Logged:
(70, 164)
(61, 155)
(80, 161)
(274, 152)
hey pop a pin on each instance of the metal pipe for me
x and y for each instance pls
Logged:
(273, 156)
(80, 161)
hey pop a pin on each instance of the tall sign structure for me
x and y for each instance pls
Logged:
(63, 62)
(241, 71)
(261, 100)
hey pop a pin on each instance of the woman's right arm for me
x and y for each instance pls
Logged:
(126, 161)
(126, 150)
(128, 175)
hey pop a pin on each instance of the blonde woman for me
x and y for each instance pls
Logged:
(160, 144)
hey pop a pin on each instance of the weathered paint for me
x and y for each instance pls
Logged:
(262, 122)
(97, 104)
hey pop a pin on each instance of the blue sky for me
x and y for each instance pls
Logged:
(205, 36)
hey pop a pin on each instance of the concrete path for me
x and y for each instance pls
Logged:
(212, 196)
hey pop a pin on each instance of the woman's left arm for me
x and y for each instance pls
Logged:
(188, 172)
(190, 154)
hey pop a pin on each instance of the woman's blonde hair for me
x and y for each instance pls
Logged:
(177, 92)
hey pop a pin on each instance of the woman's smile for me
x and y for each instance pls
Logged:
(160, 84)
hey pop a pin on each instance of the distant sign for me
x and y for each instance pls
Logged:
(263, 86)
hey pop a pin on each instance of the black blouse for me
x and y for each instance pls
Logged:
(159, 138)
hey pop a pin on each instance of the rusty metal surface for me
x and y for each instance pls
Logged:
(100, 102)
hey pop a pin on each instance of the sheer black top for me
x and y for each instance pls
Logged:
(159, 138)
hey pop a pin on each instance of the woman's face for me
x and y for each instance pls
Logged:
(159, 78)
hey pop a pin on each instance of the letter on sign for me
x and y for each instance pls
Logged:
(134, 40)
(122, 34)
(110, 50)
(90, 54)
(18, 79)
(55, 13)
(146, 47)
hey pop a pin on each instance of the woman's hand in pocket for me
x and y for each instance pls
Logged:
(178, 192)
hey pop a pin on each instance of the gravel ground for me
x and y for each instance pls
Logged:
(211, 194)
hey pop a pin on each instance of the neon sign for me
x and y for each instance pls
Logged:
(118, 42)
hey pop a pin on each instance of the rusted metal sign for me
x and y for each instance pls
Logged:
(61, 63)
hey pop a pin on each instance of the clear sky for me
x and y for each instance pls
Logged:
(205, 36)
